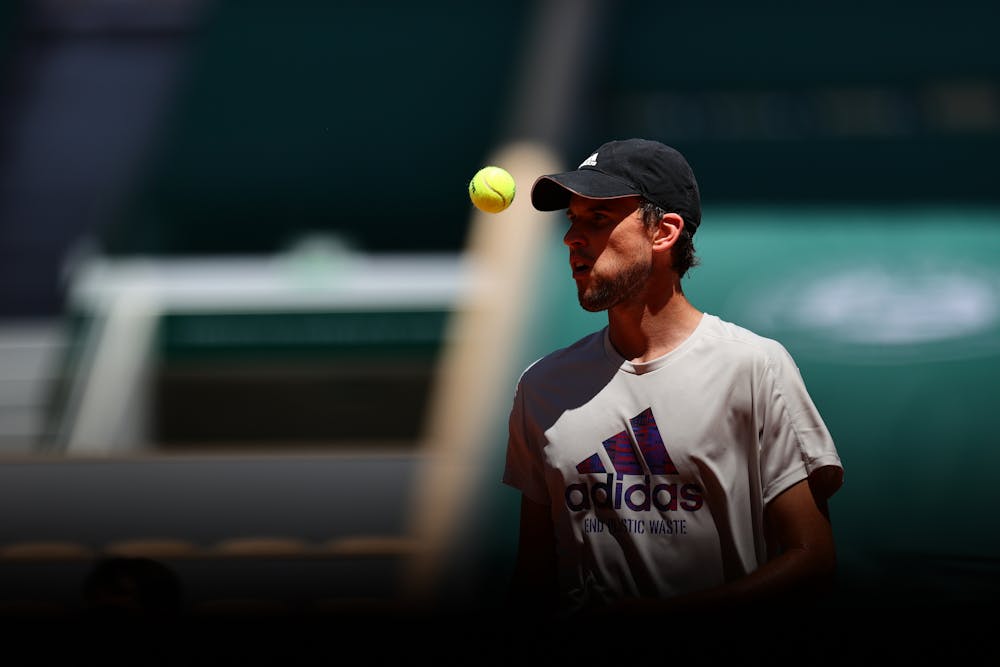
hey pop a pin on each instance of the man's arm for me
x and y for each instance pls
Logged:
(533, 586)
(803, 564)
(804, 561)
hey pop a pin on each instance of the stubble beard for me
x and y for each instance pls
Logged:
(603, 293)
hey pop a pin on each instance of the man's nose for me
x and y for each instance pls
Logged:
(573, 238)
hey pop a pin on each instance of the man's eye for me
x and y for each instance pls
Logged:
(592, 220)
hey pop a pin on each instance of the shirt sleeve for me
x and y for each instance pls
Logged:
(794, 440)
(523, 469)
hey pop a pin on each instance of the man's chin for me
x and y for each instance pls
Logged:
(590, 304)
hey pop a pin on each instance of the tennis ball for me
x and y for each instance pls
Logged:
(492, 189)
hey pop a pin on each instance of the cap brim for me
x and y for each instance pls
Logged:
(553, 191)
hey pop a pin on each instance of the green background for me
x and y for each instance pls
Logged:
(912, 414)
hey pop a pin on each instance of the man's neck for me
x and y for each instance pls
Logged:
(643, 332)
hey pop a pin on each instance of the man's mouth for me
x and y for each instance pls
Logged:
(580, 267)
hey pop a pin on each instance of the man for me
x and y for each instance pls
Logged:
(671, 460)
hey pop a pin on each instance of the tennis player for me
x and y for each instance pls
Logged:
(671, 460)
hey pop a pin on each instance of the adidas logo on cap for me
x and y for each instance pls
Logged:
(589, 162)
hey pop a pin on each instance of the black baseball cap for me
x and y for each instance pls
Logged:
(625, 168)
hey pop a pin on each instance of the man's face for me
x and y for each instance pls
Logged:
(609, 250)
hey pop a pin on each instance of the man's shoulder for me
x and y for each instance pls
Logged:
(588, 349)
(740, 339)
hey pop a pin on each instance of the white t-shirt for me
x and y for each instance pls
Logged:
(657, 474)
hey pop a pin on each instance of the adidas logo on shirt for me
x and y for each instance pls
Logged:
(648, 457)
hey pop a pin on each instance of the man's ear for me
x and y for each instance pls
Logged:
(667, 231)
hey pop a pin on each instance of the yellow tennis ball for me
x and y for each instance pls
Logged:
(492, 189)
